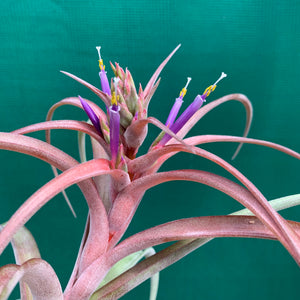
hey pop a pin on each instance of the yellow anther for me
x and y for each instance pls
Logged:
(208, 90)
(101, 65)
(211, 88)
(182, 93)
(184, 90)
(114, 99)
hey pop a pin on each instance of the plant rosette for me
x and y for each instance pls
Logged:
(114, 183)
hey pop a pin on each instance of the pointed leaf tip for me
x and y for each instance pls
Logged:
(157, 72)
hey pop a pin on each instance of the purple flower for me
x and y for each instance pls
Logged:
(91, 114)
(178, 102)
(103, 77)
(114, 123)
(184, 117)
(189, 112)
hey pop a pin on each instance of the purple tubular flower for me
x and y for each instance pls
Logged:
(102, 74)
(178, 102)
(104, 82)
(184, 117)
(174, 112)
(114, 126)
(91, 114)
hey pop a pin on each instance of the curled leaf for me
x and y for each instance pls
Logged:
(37, 274)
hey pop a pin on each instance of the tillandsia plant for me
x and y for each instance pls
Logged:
(114, 183)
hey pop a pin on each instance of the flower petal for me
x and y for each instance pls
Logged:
(205, 109)
(92, 116)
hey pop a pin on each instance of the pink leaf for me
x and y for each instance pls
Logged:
(74, 274)
(74, 101)
(103, 96)
(128, 200)
(42, 280)
(147, 268)
(199, 227)
(106, 194)
(202, 228)
(89, 280)
(146, 101)
(98, 235)
(24, 245)
(154, 77)
(25, 248)
(204, 139)
(36, 148)
(37, 274)
(61, 160)
(65, 124)
(145, 163)
(10, 275)
(286, 235)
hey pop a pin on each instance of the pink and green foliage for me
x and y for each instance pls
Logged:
(114, 183)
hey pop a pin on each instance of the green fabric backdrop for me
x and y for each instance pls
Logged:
(255, 42)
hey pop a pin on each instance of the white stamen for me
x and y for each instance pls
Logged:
(188, 82)
(223, 75)
(98, 49)
(116, 81)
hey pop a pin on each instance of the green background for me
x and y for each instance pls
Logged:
(255, 42)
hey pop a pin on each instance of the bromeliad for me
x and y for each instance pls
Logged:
(114, 182)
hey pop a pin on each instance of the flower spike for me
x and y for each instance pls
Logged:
(103, 77)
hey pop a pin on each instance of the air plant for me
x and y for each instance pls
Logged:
(114, 183)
